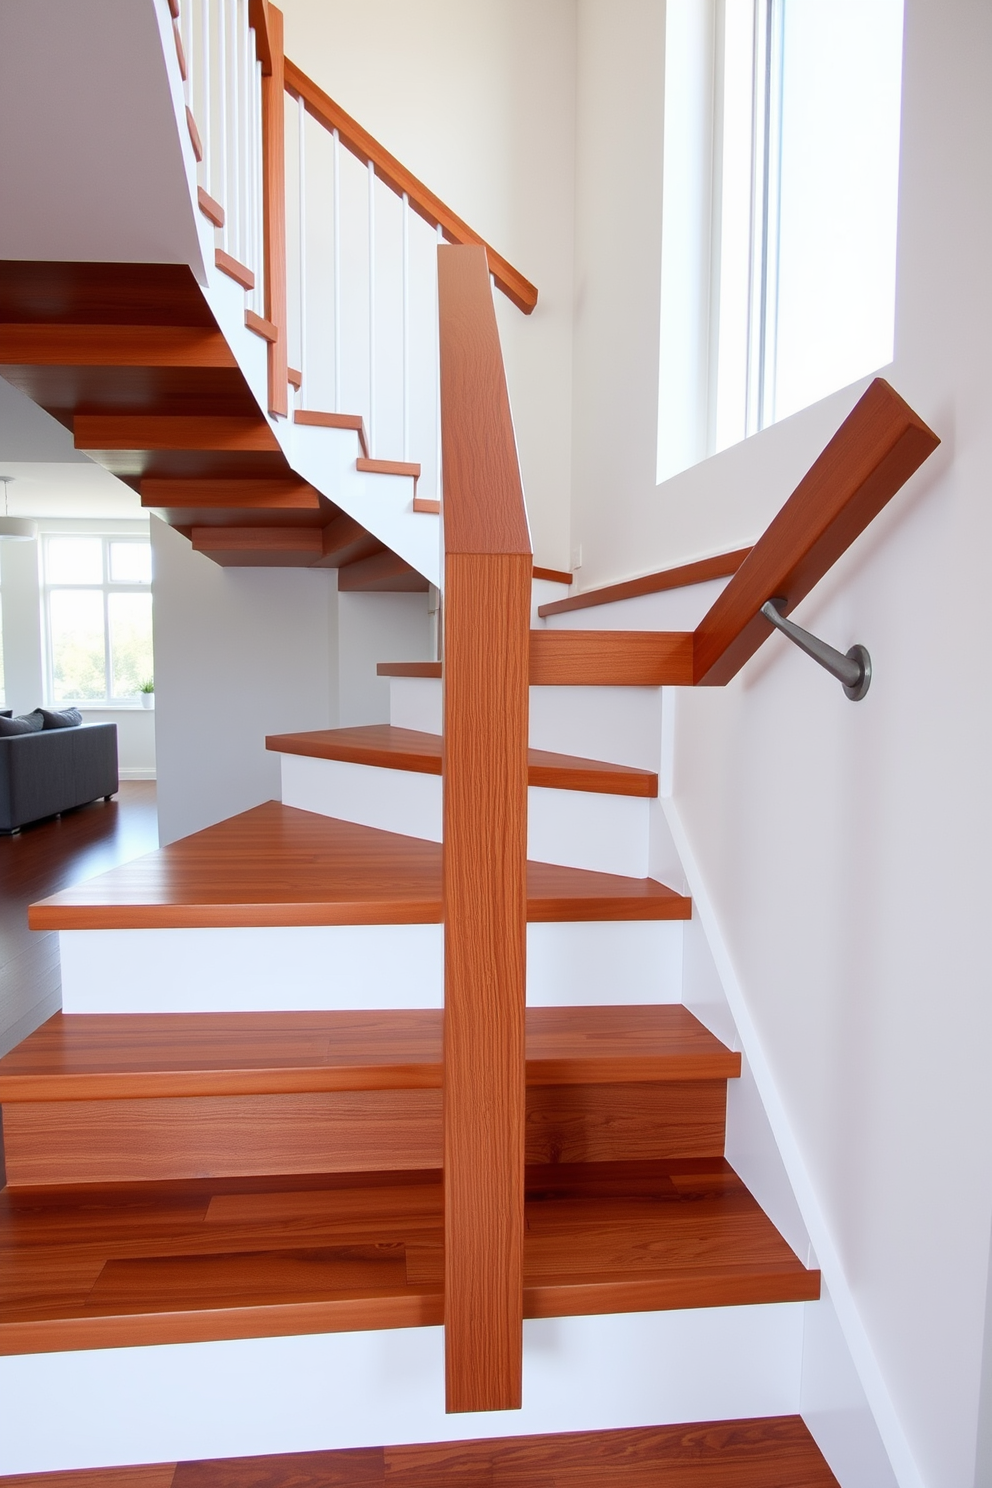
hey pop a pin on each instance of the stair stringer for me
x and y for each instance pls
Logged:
(845, 1399)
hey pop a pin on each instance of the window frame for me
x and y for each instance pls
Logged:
(105, 588)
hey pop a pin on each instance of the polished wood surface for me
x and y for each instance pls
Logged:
(275, 865)
(258, 547)
(429, 505)
(100, 431)
(399, 179)
(120, 1265)
(767, 1452)
(294, 377)
(488, 569)
(117, 1056)
(279, 494)
(320, 420)
(101, 294)
(269, 46)
(194, 135)
(53, 344)
(391, 748)
(428, 669)
(553, 575)
(388, 467)
(874, 452)
(344, 540)
(380, 572)
(700, 572)
(180, 52)
(610, 658)
(261, 326)
(210, 207)
(234, 269)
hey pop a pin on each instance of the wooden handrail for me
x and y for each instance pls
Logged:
(488, 565)
(395, 175)
(701, 571)
(874, 452)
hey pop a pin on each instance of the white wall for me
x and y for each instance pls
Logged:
(478, 100)
(239, 653)
(843, 848)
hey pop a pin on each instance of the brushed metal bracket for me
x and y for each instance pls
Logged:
(853, 670)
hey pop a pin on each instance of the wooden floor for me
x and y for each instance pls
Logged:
(130, 1264)
(44, 858)
(276, 865)
(777, 1452)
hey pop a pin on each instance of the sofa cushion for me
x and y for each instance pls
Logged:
(64, 718)
(28, 723)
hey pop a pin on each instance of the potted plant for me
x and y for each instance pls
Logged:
(147, 691)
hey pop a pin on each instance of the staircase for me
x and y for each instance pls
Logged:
(407, 1047)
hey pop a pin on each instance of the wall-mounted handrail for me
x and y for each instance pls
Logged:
(395, 175)
(488, 565)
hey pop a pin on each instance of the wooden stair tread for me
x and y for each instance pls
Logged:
(136, 1264)
(591, 658)
(391, 748)
(276, 865)
(96, 1056)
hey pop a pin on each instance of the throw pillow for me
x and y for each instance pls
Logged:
(65, 718)
(19, 726)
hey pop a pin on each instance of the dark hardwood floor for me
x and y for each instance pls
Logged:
(48, 856)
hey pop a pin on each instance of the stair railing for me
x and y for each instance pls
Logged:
(488, 566)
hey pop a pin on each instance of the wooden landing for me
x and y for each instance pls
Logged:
(276, 865)
(104, 1056)
(406, 749)
(768, 1452)
(134, 1264)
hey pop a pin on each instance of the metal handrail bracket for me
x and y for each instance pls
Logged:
(853, 670)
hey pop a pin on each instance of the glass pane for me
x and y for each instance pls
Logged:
(3, 686)
(75, 560)
(78, 667)
(130, 642)
(131, 562)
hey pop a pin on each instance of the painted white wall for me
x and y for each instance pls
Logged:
(479, 102)
(374, 628)
(239, 653)
(843, 849)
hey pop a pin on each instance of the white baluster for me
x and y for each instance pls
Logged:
(206, 134)
(244, 133)
(222, 105)
(258, 186)
(371, 430)
(301, 119)
(337, 273)
(406, 326)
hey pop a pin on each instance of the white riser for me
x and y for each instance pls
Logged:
(619, 724)
(267, 1395)
(577, 829)
(317, 967)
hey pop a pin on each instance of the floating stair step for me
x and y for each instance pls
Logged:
(167, 1263)
(405, 749)
(591, 658)
(275, 865)
(763, 1452)
(94, 1056)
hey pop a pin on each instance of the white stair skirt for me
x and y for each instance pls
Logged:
(310, 967)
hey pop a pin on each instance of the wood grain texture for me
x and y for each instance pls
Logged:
(276, 865)
(77, 293)
(234, 269)
(258, 547)
(194, 135)
(56, 345)
(261, 327)
(384, 572)
(768, 1452)
(344, 540)
(610, 658)
(118, 1056)
(388, 467)
(874, 452)
(279, 494)
(389, 748)
(210, 207)
(294, 377)
(429, 505)
(320, 420)
(554, 575)
(269, 45)
(700, 572)
(395, 175)
(102, 431)
(130, 1264)
(429, 669)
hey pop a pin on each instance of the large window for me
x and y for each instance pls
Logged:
(779, 236)
(98, 612)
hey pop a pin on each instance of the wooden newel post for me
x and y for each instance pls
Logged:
(488, 569)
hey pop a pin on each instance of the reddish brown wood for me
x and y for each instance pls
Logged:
(294, 377)
(261, 326)
(553, 575)
(258, 547)
(409, 669)
(275, 865)
(53, 344)
(158, 1475)
(382, 572)
(610, 658)
(427, 504)
(269, 44)
(344, 540)
(357, 1467)
(194, 134)
(399, 179)
(388, 467)
(233, 269)
(180, 53)
(700, 572)
(334, 421)
(121, 431)
(405, 749)
(874, 452)
(280, 494)
(210, 207)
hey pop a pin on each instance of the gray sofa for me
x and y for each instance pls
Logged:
(54, 770)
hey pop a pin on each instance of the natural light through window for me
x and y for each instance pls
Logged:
(98, 609)
(781, 162)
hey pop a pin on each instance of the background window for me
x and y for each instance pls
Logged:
(98, 611)
(781, 168)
